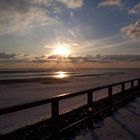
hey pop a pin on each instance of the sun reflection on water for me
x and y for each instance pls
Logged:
(61, 74)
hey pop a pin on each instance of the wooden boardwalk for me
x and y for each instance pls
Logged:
(122, 125)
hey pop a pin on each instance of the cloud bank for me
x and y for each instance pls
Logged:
(23, 58)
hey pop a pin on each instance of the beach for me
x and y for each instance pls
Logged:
(26, 91)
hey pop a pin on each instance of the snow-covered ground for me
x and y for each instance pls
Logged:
(19, 93)
(122, 125)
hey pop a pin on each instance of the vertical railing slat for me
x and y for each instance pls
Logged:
(90, 100)
(123, 87)
(123, 91)
(110, 98)
(132, 84)
(55, 118)
(138, 82)
(90, 108)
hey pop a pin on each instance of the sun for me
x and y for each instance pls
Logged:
(62, 51)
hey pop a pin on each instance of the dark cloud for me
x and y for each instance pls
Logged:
(14, 58)
(120, 58)
(58, 58)
(75, 59)
(92, 59)
(53, 57)
(105, 58)
(4, 55)
(40, 59)
(24, 58)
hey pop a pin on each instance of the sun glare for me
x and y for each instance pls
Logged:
(62, 51)
(61, 74)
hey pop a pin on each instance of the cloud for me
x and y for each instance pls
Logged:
(98, 58)
(135, 9)
(4, 55)
(20, 57)
(132, 30)
(40, 59)
(15, 58)
(52, 57)
(42, 2)
(105, 3)
(70, 59)
(104, 58)
(72, 3)
(22, 15)
(19, 6)
(119, 58)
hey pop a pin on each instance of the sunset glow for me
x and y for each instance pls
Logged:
(62, 51)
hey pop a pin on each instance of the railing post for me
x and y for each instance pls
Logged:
(55, 119)
(123, 91)
(90, 109)
(132, 84)
(123, 87)
(90, 96)
(110, 97)
(138, 82)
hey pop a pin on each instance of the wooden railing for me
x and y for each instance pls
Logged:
(55, 111)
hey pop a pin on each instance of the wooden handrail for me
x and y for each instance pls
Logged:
(51, 100)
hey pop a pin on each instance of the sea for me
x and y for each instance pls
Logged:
(6, 74)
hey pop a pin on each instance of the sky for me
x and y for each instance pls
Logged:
(96, 33)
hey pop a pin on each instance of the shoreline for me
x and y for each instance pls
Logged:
(51, 80)
(34, 80)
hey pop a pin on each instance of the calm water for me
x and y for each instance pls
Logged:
(49, 73)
